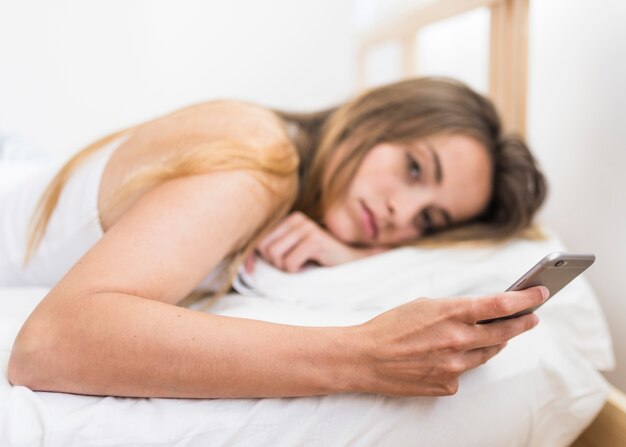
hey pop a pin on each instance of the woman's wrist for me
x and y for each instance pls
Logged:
(349, 371)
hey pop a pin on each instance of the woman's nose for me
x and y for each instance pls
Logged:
(403, 208)
(390, 210)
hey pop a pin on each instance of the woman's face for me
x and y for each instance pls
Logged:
(403, 191)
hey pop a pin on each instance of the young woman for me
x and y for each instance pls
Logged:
(140, 220)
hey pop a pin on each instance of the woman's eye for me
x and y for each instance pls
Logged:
(427, 222)
(415, 169)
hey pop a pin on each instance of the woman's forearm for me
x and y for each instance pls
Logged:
(123, 345)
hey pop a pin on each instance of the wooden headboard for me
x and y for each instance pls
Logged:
(508, 44)
(508, 55)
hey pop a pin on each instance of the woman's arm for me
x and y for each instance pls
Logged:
(114, 307)
(109, 327)
(123, 345)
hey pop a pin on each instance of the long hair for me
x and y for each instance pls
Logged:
(399, 112)
(404, 112)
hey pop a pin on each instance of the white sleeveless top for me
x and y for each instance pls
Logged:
(73, 229)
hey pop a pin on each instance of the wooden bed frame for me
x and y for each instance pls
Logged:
(508, 55)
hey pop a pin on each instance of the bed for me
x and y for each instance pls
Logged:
(542, 390)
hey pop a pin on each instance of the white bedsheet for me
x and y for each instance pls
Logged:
(542, 390)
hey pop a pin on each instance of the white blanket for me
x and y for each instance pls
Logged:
(541, 390)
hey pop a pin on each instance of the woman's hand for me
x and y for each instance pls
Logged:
(297, 240)
(422, 347)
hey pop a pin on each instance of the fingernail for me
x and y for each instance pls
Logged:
(545, 293)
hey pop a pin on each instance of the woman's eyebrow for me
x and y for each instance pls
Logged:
(436, 162)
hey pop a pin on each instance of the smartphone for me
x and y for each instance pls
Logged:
(554, 271)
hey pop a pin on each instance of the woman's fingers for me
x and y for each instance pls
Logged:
(477, 357)
(249, 263)
(299, 255)
(289, 236)
(287, 225)
(501, 331)
(280, 248)
(497, 306)
(502, 304)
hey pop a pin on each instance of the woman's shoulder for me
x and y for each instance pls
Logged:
(232, 120)
(224, 123)
(187, 139)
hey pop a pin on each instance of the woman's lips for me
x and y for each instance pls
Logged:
(369, 222)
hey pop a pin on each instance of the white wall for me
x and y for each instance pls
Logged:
(577, 125)
(73, 70)
(439, 51)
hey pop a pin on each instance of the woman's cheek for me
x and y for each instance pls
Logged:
(339, 223)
